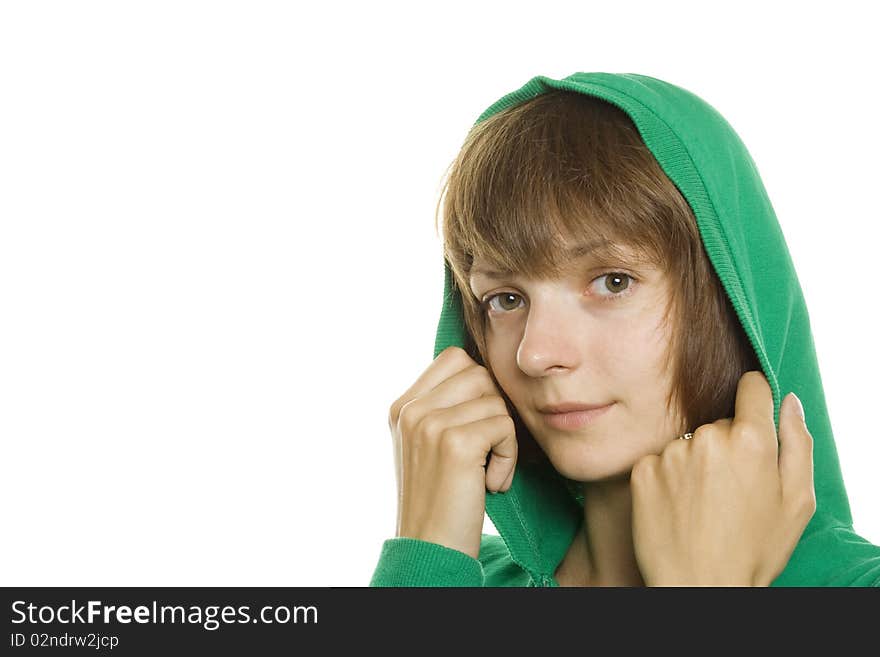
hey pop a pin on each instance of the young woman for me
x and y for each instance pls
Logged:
(621, 325)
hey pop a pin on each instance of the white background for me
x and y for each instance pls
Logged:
(218, 263)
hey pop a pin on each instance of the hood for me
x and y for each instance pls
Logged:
(702, 155)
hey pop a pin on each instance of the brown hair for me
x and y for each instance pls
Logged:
(568, 164)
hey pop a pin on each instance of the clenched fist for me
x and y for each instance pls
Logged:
(727, 507)
(444, 428)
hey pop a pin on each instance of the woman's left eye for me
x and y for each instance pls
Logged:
(617, 283)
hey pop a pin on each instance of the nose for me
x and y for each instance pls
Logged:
(550, 341)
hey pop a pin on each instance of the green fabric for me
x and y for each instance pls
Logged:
(699, 151)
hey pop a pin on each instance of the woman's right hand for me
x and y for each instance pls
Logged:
(443, 429)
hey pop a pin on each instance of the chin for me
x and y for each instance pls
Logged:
(586, 465)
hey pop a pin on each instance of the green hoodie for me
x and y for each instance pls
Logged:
(537, 518)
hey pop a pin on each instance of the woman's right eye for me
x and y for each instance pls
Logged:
(502, 307)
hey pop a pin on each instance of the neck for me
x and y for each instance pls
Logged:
(602, 552)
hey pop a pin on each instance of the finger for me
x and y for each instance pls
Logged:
(470, 383)
(723, 424)
(754, 404)
(795, 454)
(643, 477)
(448, 362)
(471, 410)
(509, 481)
(499, 433)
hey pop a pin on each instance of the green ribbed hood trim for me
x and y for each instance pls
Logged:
(706, 160)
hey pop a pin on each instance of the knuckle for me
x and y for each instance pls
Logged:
(406, 417)
(805, 505)
(498, 404)
(808, 439)
(483, 384)
(701, 435)
(507, 422)
(394, 412)
(454, 444)
(637, 472)
(704, 432)
(431, 427)
(805, 514)
(676, 449)
(809, 503)
(480, 371)
(753, 439)
(454, 353)
(704, 441)
(643, 467)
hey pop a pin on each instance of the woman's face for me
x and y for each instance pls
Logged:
(596, 336)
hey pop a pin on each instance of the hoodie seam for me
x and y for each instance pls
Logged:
(527, 531)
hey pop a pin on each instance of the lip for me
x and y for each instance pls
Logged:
(575, 419)
(568, 407)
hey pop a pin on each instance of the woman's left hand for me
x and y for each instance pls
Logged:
(727, 507)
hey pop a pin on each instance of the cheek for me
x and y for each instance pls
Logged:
(640, 347)
(502, 359)
(501, 354)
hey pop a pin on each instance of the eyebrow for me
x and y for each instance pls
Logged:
(575, 252)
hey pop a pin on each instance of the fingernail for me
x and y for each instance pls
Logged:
(800, 406)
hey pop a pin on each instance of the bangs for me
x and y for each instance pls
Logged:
(545, 246)
(538, 179)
